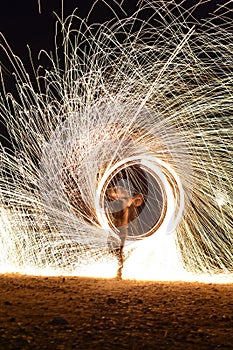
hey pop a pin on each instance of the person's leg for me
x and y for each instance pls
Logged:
(120, 260)
(120, 252)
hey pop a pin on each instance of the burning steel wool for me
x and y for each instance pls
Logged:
(122, 153)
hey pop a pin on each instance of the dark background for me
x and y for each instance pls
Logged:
(22, 24)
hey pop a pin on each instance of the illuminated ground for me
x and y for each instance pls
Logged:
(81, 313)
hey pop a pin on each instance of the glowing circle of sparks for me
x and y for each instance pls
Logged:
(173, 193)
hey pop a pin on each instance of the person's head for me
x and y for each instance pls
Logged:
(122, 204)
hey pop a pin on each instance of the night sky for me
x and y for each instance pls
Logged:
(22, 24)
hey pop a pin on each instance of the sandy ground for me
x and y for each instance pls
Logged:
(81, 313)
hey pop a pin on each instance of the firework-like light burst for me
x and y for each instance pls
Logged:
(144, 106)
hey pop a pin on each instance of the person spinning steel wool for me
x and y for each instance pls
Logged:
(123, 204)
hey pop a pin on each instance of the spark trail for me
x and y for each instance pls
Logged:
(141, 106)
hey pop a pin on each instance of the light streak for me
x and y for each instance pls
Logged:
(150, 100)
